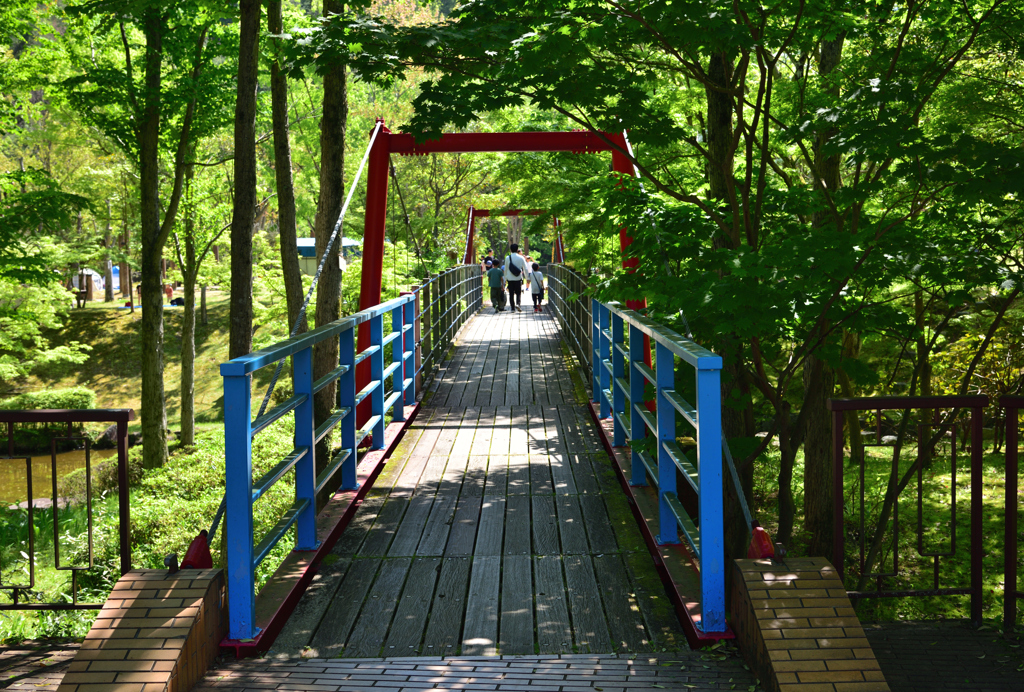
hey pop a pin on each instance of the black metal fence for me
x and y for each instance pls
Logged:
(71, 419)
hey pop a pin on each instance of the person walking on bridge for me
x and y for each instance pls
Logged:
(515, 271)
(496, 280)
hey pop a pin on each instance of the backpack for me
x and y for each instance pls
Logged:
(513, 267)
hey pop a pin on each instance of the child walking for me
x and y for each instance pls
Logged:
(536, 287)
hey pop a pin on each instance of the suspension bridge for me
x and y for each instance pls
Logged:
(472, 513)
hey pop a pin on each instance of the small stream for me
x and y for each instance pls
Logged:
(13, 473)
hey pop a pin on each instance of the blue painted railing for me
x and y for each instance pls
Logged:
(620, 375)
(611, 347)
(419, 326)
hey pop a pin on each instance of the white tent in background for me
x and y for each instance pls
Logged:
(98, 283)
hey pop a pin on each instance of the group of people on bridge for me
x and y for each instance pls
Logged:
(509, 274)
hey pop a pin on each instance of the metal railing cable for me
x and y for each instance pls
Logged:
(305, 304)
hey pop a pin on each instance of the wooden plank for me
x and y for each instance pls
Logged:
(375, 616)
(355, 533)
(519, 436)
(625, 623)
(554, 632)
(497, 476)
(570, 425)
(448, 609)
(462, 538)
(657, 610)
(464, 440)
(330, 637)
(560, 469)
(409, 531)
(475, 477)
(484, 432)
(604, 473)
(517, 525)
(480, 635)
(536, 432)
(492, 525)
(590, 630)
(439, 524)
(540, 475)
(516, 605)
(553, 433)
(595, 519)
(384, 528)
(501, 435)
(583, 473)
(413, 608)
(518, 474)
(302, 623)
(545, 526)
(570, 525)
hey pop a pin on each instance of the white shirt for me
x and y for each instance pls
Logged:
(520, 262)
(536, 283)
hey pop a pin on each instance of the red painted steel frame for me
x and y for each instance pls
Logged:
(469, 256)
(388, 143)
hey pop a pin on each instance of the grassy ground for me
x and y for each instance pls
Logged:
(113, 370)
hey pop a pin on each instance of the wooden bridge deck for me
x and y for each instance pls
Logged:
(498, 526)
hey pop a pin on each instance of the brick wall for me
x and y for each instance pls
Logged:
(797, 628)
(156, 633)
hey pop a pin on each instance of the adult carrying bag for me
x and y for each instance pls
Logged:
(513, 267)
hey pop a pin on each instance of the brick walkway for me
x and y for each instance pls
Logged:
(37, 666)
(693, 671)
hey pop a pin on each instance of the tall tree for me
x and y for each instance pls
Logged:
(283, 172)
(240, 337)
(332, 180)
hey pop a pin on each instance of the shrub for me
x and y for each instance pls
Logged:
(70, 398)
(104, 477)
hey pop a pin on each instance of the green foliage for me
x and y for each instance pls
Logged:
(71, 398)
(104, 477)
(31, 204)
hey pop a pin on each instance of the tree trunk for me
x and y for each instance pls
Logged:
(154, 413)
(851, 350)
(240, 339)
(283, 171)
(818, 464)
(203, 319)
(817, 374)
(332, 172)
(188, 330)
(108, 269)
(787, 449)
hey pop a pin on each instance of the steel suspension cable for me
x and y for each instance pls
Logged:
(302, 311)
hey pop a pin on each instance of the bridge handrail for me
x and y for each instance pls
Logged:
(619, 371)
(419, 337)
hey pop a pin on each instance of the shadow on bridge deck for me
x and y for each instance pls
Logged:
(497, 527)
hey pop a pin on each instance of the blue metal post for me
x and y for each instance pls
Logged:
(347, 399)
(305, 469)
(605, 350)
(238, 493)
(398, 356)
(709, 465)
(409, 351)
(377, 375)
(668, 529)
(595, 347)
(637, 382)
(618, 373)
